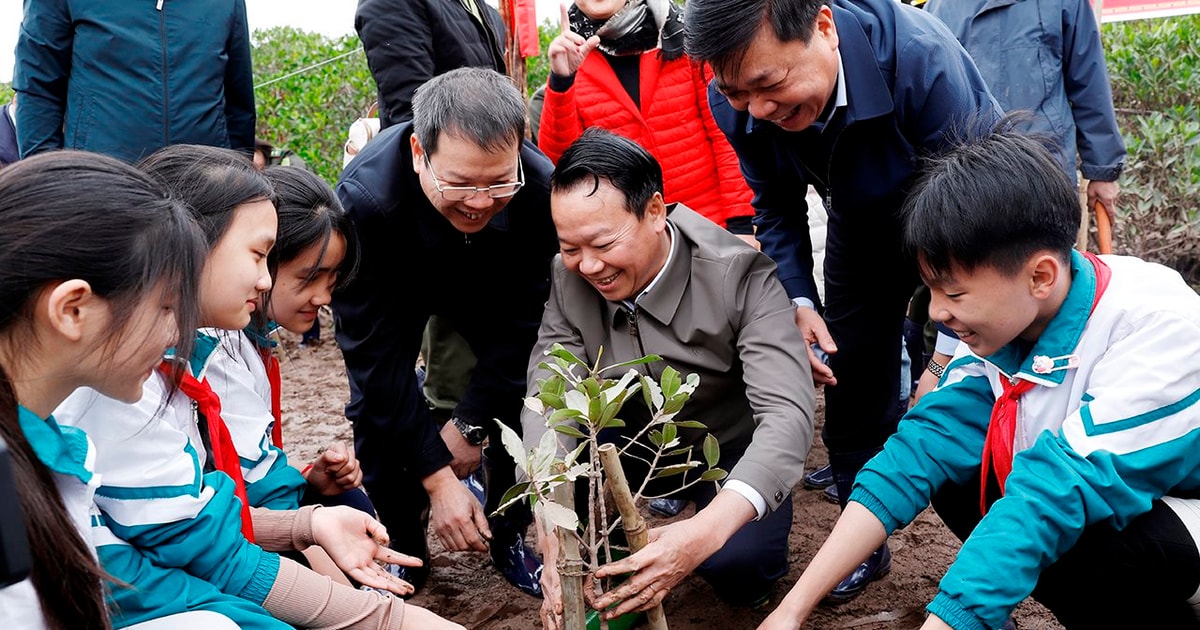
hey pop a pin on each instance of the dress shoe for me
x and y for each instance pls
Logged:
(517, 562)
(819, 478)
(830, 494)
(667, 507)
(875, 567)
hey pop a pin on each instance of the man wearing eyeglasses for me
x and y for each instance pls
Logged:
(452, 212)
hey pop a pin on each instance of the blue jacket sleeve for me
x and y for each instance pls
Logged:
(239, 82)
(1085, 77)
(142, 591)
(280, 488)
(209, 545)
(780, 208)
(950, 421)
(42, 72)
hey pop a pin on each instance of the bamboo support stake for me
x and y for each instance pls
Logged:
(631, 520)
(570, 562)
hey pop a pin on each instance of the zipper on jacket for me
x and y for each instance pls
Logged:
(162, 41)
(636, 333)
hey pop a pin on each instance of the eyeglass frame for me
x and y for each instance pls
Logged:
(475, 190)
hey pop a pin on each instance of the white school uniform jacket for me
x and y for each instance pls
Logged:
(71, 458)
(238, 376)
(157, 501)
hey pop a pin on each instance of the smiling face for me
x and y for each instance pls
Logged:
(988, 309)
(235, 272)
(605, 243)
(786, 83)
(304, 284)
(461, 162)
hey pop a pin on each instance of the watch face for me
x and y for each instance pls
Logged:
(476, 435)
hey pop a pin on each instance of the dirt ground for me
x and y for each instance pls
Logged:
(464, 588)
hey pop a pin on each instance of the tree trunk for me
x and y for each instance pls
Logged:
(631, 520)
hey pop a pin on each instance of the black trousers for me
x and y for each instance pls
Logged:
(868, 284)
(1138, 577)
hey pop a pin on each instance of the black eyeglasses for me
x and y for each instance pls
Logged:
(463, 193)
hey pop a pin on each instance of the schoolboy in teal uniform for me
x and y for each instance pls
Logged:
(1066, 420)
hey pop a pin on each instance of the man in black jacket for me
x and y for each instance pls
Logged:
(452, 212)
(409, 42)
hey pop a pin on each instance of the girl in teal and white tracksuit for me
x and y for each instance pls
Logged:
(163, 499)
(313, 253)
(84, 305)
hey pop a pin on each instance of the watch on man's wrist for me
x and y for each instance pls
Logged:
(474, 435)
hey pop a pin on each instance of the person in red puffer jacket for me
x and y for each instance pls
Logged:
(642, 86)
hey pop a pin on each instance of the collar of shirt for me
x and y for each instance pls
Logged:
(62, 449)
(632, 304)
(839, 99)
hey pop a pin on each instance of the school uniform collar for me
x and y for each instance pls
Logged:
(62, 449)
(1062, 334)
(202, 353)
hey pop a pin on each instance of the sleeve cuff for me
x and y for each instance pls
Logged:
(949, 611)
(751, 495)
(560, 84)
(947, 343)
(803, 302)
(1103, 173)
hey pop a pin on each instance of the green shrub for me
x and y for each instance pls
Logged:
(537, 69)
(311, 111)
(6, 93)
(1154, 66)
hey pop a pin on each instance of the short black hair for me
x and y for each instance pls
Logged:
(600, 154)
(476, 104)
(993, 201)
(719, 31)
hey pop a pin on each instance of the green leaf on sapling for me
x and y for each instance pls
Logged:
(514, 494)
(713, 474)
(690, 424)
(675, 469)
(577, 400)
(559, 351)
(650, 358)
(712, 450)
(570, 430)
(656, 438)
(669, 433)
(561, 415)
(670, 381)
(559, 516)
(513, 445)
(535, 405)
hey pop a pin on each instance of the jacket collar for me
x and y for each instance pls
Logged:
(664, 300)
(1061, 336)
(62, 449)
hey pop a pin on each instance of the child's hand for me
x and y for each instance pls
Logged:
(335, 471)
(358, 543)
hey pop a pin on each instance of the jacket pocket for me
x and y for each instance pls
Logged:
(81, 112)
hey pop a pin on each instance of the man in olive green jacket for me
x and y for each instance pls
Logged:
(635, 282)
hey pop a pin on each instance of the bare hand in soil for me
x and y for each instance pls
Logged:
(335, 470)
(466, 455)
(458, 518)
(673, 553)
(357, 544)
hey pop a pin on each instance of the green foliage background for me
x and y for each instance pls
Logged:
(1154, 66)
(310, 112)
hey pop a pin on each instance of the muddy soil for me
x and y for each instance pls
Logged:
(463, 586)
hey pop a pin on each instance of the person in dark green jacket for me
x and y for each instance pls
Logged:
(128, 78)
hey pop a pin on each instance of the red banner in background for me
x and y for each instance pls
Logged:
(1119, 10)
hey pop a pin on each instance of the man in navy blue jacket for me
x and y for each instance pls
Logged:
(8, 135)
(846, 97)
(452, 211)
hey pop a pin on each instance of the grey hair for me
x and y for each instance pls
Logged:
(476, 104)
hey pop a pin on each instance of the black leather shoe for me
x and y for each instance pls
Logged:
(517, 562)
(831, 495)
(875, 567)
(667, 507)
(819, 478)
